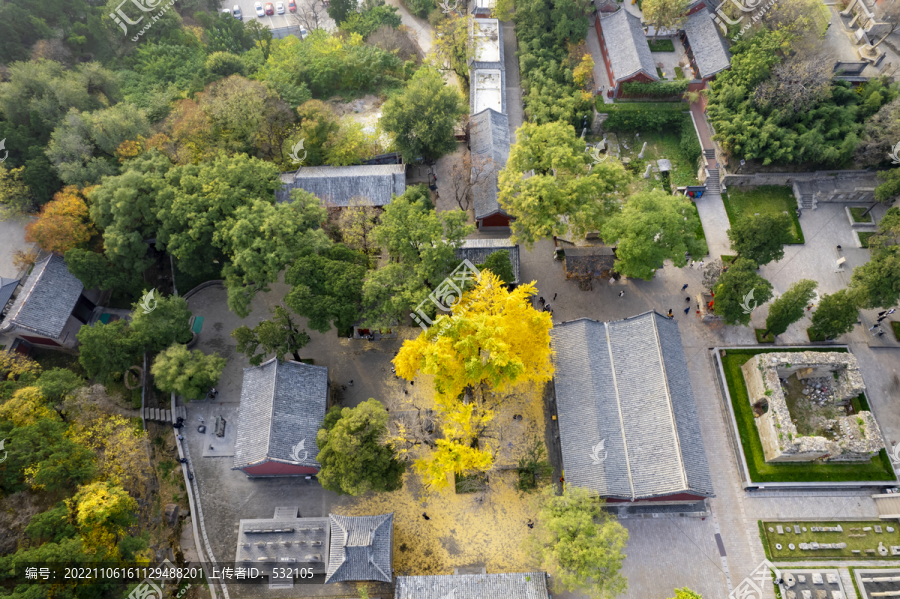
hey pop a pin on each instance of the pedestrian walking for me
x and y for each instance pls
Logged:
(839, 248)
(530, 523)
(343, 387)
(547, 307)
(611, 280)
(685, 286)
(180, 437)
(882, 313)
(873, 327)
(880, 334)
(622, 293)
(891, 311)
(686, 310)
(687, 299)
(554, 296)
(670, 312)
(351, 382)
(424, 515)
(201, 420)
(700, 264)
(692, 264)
(541, 299)
(880, 319)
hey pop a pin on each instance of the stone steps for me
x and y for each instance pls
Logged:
(712, 181)
(162, 415)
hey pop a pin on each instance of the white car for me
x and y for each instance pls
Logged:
(259, 10)
(279, 7)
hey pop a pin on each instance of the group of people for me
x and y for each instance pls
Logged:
(546, 306)
(881, 316)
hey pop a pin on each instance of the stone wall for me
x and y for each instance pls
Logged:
(865, 179)
(858, 437)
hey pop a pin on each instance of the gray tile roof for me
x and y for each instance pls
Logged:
(361, 548)
(477, 251)
(282, 408)
(46, 299)
(589, 261)
(708, 47)
(269, 541)
(519, 585)
(489, 137)
(626, 383)
(487, 36)
(359, 185)
(7, 286)
(626, 45)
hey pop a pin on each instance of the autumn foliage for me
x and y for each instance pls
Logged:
(63, 223)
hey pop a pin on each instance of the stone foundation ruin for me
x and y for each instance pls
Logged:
(824, 386)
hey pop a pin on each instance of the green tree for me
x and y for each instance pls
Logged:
(52, 525)
(327, 287)
(339, 10)
(789, 308)
(364, 23)
(225, 64)
(889, 188)
(55, 384)
(125, 207)
(564, 196)
(422, 118)
(686, 593)
(761, 238)
(60, 463)
(201, 200)
(739, 290)
(262, 239)
(422, 245)
(353, 454)
(665, 14)
(835, 315)
(500, 264)
(876, 283)
(318, 124)
(652, 227)
(166, 323)
(15, 196)
(262, 35)
(187, 373)
(106, 351)
(279, 335)
(579, 543)
(94, 270)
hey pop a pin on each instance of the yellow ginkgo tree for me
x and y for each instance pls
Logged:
(492, 340)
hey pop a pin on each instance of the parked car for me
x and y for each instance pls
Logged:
(279, 7)
(259, 10)
(225, 12)
(303, 34)
(236, 13)
(292, 6)
(270, 9)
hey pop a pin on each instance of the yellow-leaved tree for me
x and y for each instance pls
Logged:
(493, 340)
(27, 406)
(103, 512)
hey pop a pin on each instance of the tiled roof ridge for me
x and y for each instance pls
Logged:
(612, 363)
(662, 363)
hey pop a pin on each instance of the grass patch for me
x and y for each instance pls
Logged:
(700, 233)
(679, 73)
(130, 397)
(770, 338)
(661, 145)
(814, 336)
(663, 45)
(864, 237)
(660, 73)
(869, 541)
(767, 199)
(857, 214)
(878, 468)
(727, 258)
(895, 326)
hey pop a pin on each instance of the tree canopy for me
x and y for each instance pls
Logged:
(579, 543)
(761, 238)
(353, 453)
(187, 373)
(739, 291)
(279, 335)
(652, 227)
(564, 197)
(790, 307)
(327, 287)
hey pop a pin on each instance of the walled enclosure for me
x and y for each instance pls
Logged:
(781, 442)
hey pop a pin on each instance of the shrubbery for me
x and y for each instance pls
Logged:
(655, 89)
(644, 116)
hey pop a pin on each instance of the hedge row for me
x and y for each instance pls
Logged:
(655, 89)
(643, 116)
